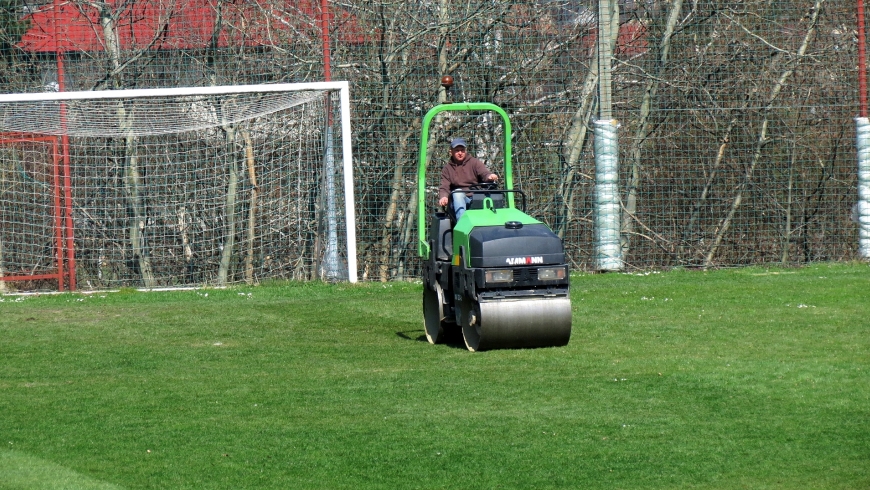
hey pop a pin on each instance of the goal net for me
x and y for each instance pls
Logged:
(184, 187)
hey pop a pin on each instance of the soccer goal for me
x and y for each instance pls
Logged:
(183, 187)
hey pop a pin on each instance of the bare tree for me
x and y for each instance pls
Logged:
(575, 139)
(762, 136)
(108, 15)
(644, 127)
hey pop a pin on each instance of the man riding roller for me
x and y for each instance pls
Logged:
(461, 172)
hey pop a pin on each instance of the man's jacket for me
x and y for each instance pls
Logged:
(468, 172)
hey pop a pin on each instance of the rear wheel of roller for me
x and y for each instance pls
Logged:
(471, 324)
(433, 314)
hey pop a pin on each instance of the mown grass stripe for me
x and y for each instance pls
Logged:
(24, 471)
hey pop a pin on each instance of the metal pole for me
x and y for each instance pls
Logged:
(67, 179)
(605, 107)
(331, 268)
(862, 60)
(861, 210)
(324, 36)
(608, 251)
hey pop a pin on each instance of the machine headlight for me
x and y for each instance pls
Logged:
(551, 273)
(499, 275)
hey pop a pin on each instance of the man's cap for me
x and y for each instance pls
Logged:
(457, 142)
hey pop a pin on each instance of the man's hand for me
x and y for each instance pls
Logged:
(492, 178)
(442, 202)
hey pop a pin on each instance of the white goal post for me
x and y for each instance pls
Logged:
(178, 187)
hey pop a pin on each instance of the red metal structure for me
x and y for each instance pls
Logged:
(61, 206)
(186, 24)
(64, 27)
(67, 180)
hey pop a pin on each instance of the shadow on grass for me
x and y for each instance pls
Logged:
(407, 335)
(453, 339)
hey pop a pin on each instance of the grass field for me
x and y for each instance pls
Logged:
(753, 378)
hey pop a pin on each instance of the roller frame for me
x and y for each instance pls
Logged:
(525, 312)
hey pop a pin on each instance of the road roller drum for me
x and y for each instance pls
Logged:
(518, 323)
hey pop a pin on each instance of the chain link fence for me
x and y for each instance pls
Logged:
(736, 132)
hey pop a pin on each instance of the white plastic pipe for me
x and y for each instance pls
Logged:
(608, 251)
(862, 208)
(349, 203)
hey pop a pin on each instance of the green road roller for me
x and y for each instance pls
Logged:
(496, 275)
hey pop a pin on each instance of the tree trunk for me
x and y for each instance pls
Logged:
(575, 141)
(643, 130)
(185, 242)
(696, 208)
(229, 208)
(393, 207)
(786, 236)
(229, 153)
(132, 177)
(576, 137)
(2, 283)
(139, 219)
(252, 211)
(408, 223)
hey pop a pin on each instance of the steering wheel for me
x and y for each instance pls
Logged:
(483, 186)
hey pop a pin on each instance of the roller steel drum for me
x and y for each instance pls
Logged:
(433, 314)
(516, 323)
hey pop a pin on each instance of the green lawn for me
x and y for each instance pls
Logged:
(752, 378)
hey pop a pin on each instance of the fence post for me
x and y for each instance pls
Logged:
(608, 250)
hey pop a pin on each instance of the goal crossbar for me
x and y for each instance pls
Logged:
(343, 86)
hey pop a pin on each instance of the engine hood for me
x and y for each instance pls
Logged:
(510, 245)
